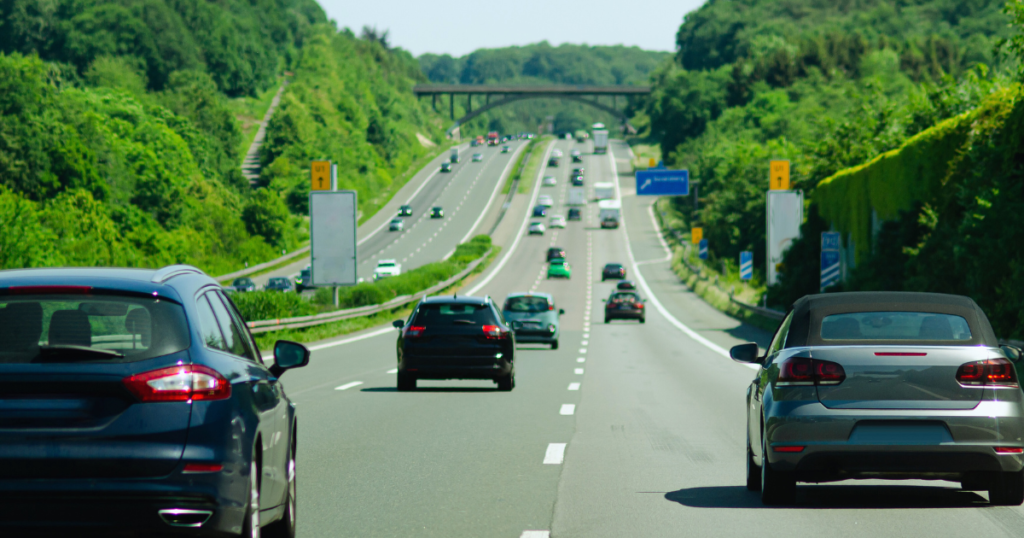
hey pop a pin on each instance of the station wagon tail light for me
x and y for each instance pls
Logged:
(494, 332)
(987, 373)
(788, 448)
(179, 384)
(415, 331)
(194, 468)
(801, 371)
(1009, 450)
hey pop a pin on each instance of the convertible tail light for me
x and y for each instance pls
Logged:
(494, 332)
(179, 384)
(801, 371)
(991, 373)
(414, 331)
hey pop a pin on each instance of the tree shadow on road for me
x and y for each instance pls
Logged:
(833, 496)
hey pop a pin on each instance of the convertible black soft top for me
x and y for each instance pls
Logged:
(808, 311)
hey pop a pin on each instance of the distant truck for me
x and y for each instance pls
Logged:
(610, 213)
(493, 139)
(454, 155)
(604, 191)
(387, 268)
(582, 136)
(577, 196)
(600, 141)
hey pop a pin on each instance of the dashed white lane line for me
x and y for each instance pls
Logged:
(583, 350)
(584, 342)
(574, 386)
(578, 371)
(555, 454)
(393, 371)
(347, 386)
(535, 534)
(581, 359)
(567, 409)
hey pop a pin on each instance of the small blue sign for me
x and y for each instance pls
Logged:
(656, 182)
(830, 241)
(746, 265)
(702, 249)
(829, 268)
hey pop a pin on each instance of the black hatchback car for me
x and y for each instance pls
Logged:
(575, 214)
(135, 402)
(455, 338)
(555, 252)
(613, 271)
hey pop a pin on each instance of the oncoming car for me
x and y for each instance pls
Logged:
(143, 407)
(505, 149)
(437, 212)
(533, 317)
(890, 385)
(405, 211)
(446, 167)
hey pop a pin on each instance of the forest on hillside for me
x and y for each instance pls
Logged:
(120, 142)
(536, 64)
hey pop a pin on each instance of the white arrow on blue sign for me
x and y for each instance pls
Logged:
(663, 182)
(702, 249)
(746, 265)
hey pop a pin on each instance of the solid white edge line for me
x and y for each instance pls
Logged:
(344, 341)
(347, 386)
(555, 454)
(392, 371)
(643, 283)
(522, 227)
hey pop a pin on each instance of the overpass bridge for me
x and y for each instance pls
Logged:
(506, 94)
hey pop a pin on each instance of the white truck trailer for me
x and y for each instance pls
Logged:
(604, 191)
(577, 196)
(600, 142)
(610, 213)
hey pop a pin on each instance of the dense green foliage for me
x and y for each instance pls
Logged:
(541, 64)
(350, 102)
(827, 85)
(262, 305)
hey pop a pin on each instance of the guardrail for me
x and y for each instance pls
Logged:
(265, 265)
(270, 325)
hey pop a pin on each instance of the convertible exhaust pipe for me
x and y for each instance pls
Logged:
(184, 517)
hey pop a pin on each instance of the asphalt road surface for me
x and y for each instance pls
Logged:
(627, 430)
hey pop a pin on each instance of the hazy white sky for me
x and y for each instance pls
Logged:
(458, 27)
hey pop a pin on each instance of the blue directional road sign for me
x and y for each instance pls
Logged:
(830, 266)
(702, 249)
(655, 182)
(746, 265)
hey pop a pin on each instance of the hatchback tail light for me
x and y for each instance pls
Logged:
(494, 332)
(414, 331)
(179, 384)
(801, 371)
(989, 373)
(638, 305)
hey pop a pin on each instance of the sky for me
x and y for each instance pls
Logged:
(458, 27)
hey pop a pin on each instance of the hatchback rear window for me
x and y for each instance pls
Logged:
(440, 314)
(895, 326)
(97, 327)
(527, 304)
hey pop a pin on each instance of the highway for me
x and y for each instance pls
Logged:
(465, 194)
(626, 430)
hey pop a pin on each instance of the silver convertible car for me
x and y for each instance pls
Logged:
(885, 385)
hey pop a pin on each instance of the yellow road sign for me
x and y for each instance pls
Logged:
(652, 163)
(320, 175)
(778, 177)
(696, 234)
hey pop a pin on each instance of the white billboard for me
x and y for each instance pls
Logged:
(332, 237)
(785, 214)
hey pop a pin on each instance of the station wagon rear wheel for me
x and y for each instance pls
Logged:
(753, 471)
(406, 382)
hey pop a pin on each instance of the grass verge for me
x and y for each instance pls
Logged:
(533, 165)
(517, 172)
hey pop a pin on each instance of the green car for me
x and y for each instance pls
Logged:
(559, 268)
(533, 317)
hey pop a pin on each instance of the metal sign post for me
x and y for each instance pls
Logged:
(746, 265)
(829, 260)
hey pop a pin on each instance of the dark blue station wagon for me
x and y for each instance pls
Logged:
(136, 401)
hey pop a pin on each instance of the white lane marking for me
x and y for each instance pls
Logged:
(519, 236)
(567, 409)
(574, 386)
(578, 371)
(583, 350)
(647, 289)
(347, 386)
(392, 371)
(583, 343)
(371, 334)
(535, 534)
(555, 454)
(581, 359)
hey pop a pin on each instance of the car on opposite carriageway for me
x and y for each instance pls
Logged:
(143, 408)
(534, 317)
(437, 212)
(396, 225)
(455, 338)
(279, 283)
(446, 167)
(405, 211)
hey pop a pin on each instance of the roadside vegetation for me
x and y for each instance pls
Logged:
(529, 172)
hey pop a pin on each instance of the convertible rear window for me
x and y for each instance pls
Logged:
(895, 326)
(89, 328)
(527, 304)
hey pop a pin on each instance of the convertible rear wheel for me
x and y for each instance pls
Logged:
(777, 487)
(1008, 490)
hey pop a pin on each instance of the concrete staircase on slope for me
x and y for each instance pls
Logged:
(251, 164)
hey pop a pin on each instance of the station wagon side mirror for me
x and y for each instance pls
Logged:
(1013, 353)
(288, 355)
(746, 353)
(561, 311)
(398, 323)
(516, 325)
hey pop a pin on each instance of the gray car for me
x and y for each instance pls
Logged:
(888, 385)
(533, 317)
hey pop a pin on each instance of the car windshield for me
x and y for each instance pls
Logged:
(895, 326)
(527, 304)
(278, 281)
(89, 328)
(386, 264)
(443, 314)
(613, 266)
(242, 282)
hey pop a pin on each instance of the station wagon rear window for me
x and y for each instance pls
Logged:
(89, 328)
(895, 326)
(441, 314)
